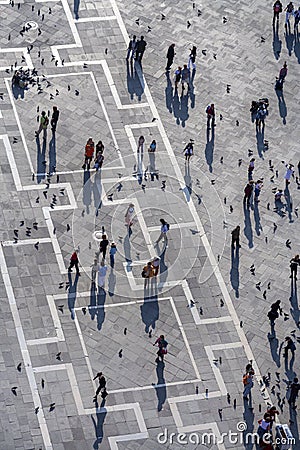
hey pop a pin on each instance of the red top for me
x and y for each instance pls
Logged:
(74, 257)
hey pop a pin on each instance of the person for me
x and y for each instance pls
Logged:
(235, 237)
(297, 18)
(283, 73)
(289, 9)
(185, 78)
(290, 345)
(140, 49)
(99, 148)
(131, 48)
(152, 146)
(177, 76)
(44, 122)
(248, 190)
(294, 263)
(155, 265)
(248, 383)
(147, 273)
(277, 9)
(112, 252)
(294, 391)
(188, 151)
(272, 412)
(273, 315)
(102, 384)
(278, 195)
(170, 57)
(74, 262)
(163, 232)
(257, 189)
(260, 117)
(162, 347)
(192, 58)
(103, 245)
(129, 216)
(264, 425)
(54, 119)
(210, 113)
(289, 172)
(251, 169)
(88, 154)
(141, 142)
(98, 162)
(102, 274)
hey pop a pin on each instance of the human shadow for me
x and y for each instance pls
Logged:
(72, 293)
(163, 269)
(18, 92)
(127, 252)
(289, 40)
(97, 192)
(188, 182)
(52, 155)
(76, 9)
(140, 158)
(295, 313)
(279, 207)
(209, 148)
(289, 204)
(281, 105)
(101, 297)
(87, 190)
(294, 426)
(40, 162)
(248, 228)
(98, 425)
(111, 283)
(256, 216)
(260, 135)
(192, 92)
(273, 341)
(180, 108)
(160, 387)
(277, 43)
(248, 418)
(149, 311)
(169, 93)
(234, 271)
(152, 168)
(93, 301)
(134, 84)
(297, 47)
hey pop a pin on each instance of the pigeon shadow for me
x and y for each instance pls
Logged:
(273, 341)
(97, 192)
(52, 155)
(256, 216)
(169, 93)
(234, 271)
(209, 148)
(72, 292)
(149, 311)
(248, 228)
(281, 105)
(294, 310)
(111, 283)
(160, 387)
(101, 297)
(76, 8)
(93, 301)
(98, 425)
(40, 162)
(87, 190)
(289, 40)
(277, 43)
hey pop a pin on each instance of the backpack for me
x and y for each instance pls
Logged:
(168, 226)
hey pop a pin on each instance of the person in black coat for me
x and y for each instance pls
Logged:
(140, 49)
(170, 57)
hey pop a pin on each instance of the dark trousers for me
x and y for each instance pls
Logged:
(112, 261)
(53, 125)
(235, 241)
(276, 16)
(72, 264)
(169, 63)
(139, 55)
(87, 161)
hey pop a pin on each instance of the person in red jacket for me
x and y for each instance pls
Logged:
(74, 262)
(89, 153)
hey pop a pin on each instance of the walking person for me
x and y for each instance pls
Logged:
(283, 72)
(192, 58)
(277, 9)
(248, 383)
(294, 263)
(147, 273)
(140, 49)
(88, 154)
(163, 232)
(44, 122)
(103, 246)
(289, 173)
(251, 169)
(99, 148)
(177, 76)
(131, 48)
(273, 315)
(129, 216)
(98, 162)
(260, 117)
(185, 78)
(235, 237)
(289, 345)
(294, 391)
(170, 57)
(162, 344)
(102, 384)
(152, 146)
(112, 253)
(102, 274)
(289, 11)
(141, 141)
(54, 119)
(74, 262)
(248, 191)
(210, 114)
(257, 190)
(188, 151)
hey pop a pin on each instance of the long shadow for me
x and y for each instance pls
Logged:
(130, 79)
(101, 297)
(93, 301)
(248, 228)
(289, 204)
(135, 80)
(294, 427)
(277, 43)
(52, 155)
(234, 271)
(273, 341)
(76, 8)
(256, 216)
(248, 418)
(295, 312)
(289, 40)
(152, 168)
(127, 252)
(260, 135)
(98, 425)
(97, 192)
(281, 105)
(87, 190)
(180, 108)
(17, 91)
(169, 93)
(209, 148)
(72, 292)
(297, 47)
(188, 182)
(40, 161)
(149, 311)
(161, 391)
(163, 269)
(111, 283)
(192, 93)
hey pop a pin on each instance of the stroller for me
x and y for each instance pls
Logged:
(261, 103)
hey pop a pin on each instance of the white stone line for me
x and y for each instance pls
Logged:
(26, 55)
(26, 242)
(193, 397)
(95, 19)
(1, 115)
(173, 226)
(136, 126)
(24, 350)
(152, 386)
(12, 162)
(189, 297)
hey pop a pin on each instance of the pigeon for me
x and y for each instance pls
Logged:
(52, 407)
(154, 119)
(224, 20)
(268, 206)
(125, 331)
(221, 302)
(14, 390)
(50, 11)
(265, 295)
(221, 160)
(110, 197)
(83, 310)
(234, 403)
(201, 311)
(68, 227)
(188, 24)
(69, 87)
(36, 409)
(35, 225)
(19, 367)
(221, 118)
(288, 243)
(237, 123)
(149, 29)
(274, 227)
(262, 39)
(137, 21)
(61, 308)
(228, 88)
(76, 92)
(199, 13)
(212, 182)
(220, 413)
(121, 353)
(163, 17)
(36, 245)
(228, 398)
(37, 200)
(45, 194)
(204, 52)
(258, 285)
(241, 324)
(22, 223)
(269, 285)
(39, 32)
(231, 208)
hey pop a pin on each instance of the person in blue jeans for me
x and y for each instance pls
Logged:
(112, 252)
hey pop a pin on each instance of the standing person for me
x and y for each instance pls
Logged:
(248, 193)
(162, 347)
(99, 148)
(103, 245)
(163, 232)
(210, 113)
(140, 49)
(98, 163)
(54, 119)
(192, 58)
(283, 73)
(289, 345)
(88, 154)
(141, 142)
(294, 263)
(289, 12)
(102, 274)
(44, 122)
(177, 76)
(260, 117)
(277, 9)
(170, 57)
(248, 383)
(74, 262)
(257, 189)
(294, 391)
(235, 237)
(155, 265)
(289, 172)
(251, 169)
(147, 273)
(131, 48)
(129, 216)
(112, 252)
(185, 78)
(188, 151)
(102, 383)
(297, 18)
(273, 314)
(152, 146)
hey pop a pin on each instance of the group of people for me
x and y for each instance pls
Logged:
(136, 49)
(150, 270)
(290, 12)
(44, 122)
(182, 74)
(89, 155)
